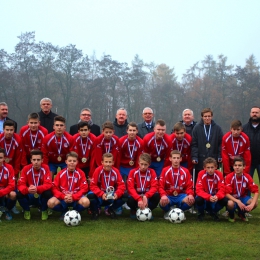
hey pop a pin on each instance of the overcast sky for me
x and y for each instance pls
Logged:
(177, 33)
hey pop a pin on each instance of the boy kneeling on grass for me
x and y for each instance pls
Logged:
(69, 188)
(106, 177)
(238, 184)
(142, 186)
(210, 190)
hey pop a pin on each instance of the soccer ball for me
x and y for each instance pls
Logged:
(143, 215)
(176, 216)
(72, 218)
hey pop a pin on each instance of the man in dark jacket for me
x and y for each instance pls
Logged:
(4, 116)
(252, 130)
(46, 115)
(148, 125)
(206, 140)
(188, 120)
(86, 116)
(120, 122)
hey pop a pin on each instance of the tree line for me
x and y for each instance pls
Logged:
(74, 80)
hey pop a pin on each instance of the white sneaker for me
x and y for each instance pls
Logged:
(125, 206)
(166, 215)
(248, 215)
(15, 210)
(225, 214)
(192, 211)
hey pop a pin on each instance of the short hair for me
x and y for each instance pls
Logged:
(9, 123)
(36, 152)
(108, 124)
(133, 124)
(2, 150)
(33, 116)
(235, 124)
(206, 110)
(209, 160)
(3, 104)
(86, 109)
(72, 154)
(121, 108)
(251, 107)
(82, 124)
(107, 155)
(175, 152)
(186, 109)
(148, 108)
(59, 118)
(179, 126)
(160, 122)
(239, 159)
(45, 99)
(145, 157)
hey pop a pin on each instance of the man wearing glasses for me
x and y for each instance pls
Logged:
(148, 124)
(85, 116)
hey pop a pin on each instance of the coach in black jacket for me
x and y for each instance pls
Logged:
(206, 140)
(85, 115)
(148, 125)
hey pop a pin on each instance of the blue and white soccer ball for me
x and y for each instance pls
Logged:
(143, 215)
(176, 216)
(72, 218)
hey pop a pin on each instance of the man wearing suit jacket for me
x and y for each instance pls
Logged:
(85, 116)
(4, 117)
(148, 124)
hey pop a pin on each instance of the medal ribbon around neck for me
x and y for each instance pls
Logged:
(211, 188)
(82, 146)
(107, 183)
(207, 134)
(177, 178)
(59, 148)
(35, 139)
(140, 179)
(107, 150)
(242, 182)
(156, 146)
(177, 145)
(1, 176)
(70, 183)
(131, 153)
(233, 145)
(33, 175)
(7, 151)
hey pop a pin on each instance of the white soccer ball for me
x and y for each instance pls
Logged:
(143, 215)
(72, 218)
(176, 216)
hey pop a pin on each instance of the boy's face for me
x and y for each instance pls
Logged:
(36, 161)
(176, 160)
(2, 157)
(132, 132)
(84, 132)
(207, 117)
(8, 132)
(180, 134)
(236, 132)
(159, 131)
(210, 168)
(143, 165)
(33, 124)
(71, 163)
(107, 163)
(108, 133)
(59, 127)
(238, 168)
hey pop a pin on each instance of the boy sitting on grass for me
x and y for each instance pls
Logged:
(238, 184)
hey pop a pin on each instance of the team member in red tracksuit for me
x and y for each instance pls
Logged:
(175, 186)
(83, 144)
(210, 190)
(107, 142)
(32, 136)
(238, 184)
(69, 187)
(106, 177)
(158, 145)
(12, 144)
(142, 186)
(7, 186)
(56, 146)
(34, 185)
(235, 143)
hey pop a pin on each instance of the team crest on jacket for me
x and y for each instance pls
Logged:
(113, 178)
(215, 181)
(76, 180)
(244, 184)
(39, 140)
(182, 177)
(5, 176)
(66, 145)
(148, 178)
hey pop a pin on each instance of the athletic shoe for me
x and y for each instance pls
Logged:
(8, 215)
(50, 211)
(201, 217)
(232, 220)
(94, 215)
(215, 216)
(2, 209)
(89, 211)
(133, 214)
(119, 211)
(15, 210)
(248, 215)
(62, 216)
(45, 215)
(125, 206)
(225, 214)
(243, 216)
(112, 213)
(27, 215)
(107, 212)
(192, 211)
(166, 215)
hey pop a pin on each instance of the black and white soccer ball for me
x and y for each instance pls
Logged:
(72, 218)
(176, 216)
(143, 215)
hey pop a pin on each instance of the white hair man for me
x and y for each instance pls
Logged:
(148, 125)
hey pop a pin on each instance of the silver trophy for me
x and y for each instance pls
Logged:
(110, 192)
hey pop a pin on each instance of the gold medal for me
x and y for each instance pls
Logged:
(175, 193)
(158, 159)
(36, 195)
(131, 163)
(59, 158)
(84, 159)
(7, 160)
(208, 145)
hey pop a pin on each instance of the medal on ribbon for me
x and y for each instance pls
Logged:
(207, 134)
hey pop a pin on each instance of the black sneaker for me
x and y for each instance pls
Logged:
(215, 217)
(94, 215)
(112, 213)
(200, 217)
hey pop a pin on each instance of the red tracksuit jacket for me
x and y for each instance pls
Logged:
(7, 179)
